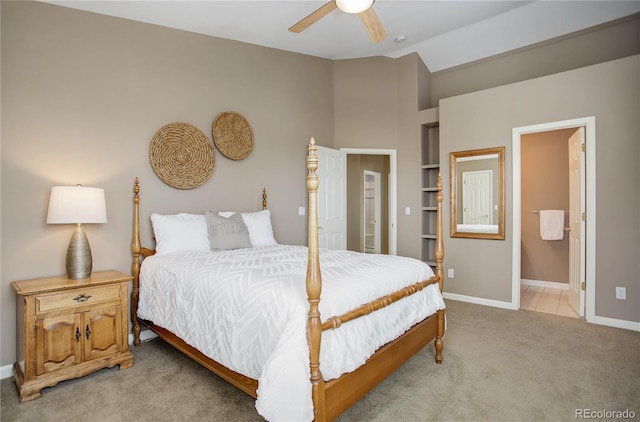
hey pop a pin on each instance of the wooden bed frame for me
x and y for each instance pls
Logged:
(330, 398)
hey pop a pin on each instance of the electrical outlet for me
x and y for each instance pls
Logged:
(621, 293)
(450, 273)
(301, 211)
(407, 210)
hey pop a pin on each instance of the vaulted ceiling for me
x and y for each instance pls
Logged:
(444, 33)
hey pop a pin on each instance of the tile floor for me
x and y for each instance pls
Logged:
(545, 299)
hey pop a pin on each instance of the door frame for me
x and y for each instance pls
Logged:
(392, 188)
(589, 123)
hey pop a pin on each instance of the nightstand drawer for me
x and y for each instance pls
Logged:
(76, 298)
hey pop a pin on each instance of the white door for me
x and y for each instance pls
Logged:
(576, 223)
(332, 198)
(372, 212)
(477, 197)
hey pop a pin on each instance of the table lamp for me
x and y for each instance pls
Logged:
(77, 205)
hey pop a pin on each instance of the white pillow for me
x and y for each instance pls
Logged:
(259, 225)
(179, 233)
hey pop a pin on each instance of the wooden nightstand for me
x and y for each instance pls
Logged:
(70, 328)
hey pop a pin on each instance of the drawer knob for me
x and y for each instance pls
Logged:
(82, 298)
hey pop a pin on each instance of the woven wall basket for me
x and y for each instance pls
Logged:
(181, 155)
(232, 135)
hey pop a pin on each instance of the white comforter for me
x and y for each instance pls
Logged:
(247, 309)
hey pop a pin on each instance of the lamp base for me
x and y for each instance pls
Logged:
(79, 262)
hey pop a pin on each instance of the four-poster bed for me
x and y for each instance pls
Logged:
(331, 397)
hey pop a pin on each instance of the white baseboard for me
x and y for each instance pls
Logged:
(478, 300)
(541, 283)
(7, 370)
(609, 322)
(617, 323)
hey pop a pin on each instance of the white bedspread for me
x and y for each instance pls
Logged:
(247, 309)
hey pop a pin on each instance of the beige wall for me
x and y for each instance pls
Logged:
(544, 170)
(82, 96)
(603, 43)
(609, 91)
(376, 106)
(365, 113)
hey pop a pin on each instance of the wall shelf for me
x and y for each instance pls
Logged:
(430, 168)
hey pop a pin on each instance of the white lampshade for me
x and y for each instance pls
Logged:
(76, 204)
(354, 6)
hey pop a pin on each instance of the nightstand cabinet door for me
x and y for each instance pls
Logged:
(57, 343)
(102, 332)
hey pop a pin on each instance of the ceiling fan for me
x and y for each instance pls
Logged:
(363, 8)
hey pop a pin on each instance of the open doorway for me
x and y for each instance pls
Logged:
(383, 162)
(368, 203)
(335, 222)
(546, 240)
(579, 266)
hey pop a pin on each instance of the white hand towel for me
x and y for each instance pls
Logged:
(552, 224)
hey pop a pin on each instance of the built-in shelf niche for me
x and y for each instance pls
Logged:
(430, 139)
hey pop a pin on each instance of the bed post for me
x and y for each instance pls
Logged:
(135, 267)
(314, 287)
(439, 249)
(439, 253)
(264, 199)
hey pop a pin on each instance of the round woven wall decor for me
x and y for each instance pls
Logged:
(181, 155)
(233, 135)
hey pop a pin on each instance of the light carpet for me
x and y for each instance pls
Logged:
(499, 365)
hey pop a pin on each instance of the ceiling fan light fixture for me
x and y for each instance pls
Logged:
(354, 6)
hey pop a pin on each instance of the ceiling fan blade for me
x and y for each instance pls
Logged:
(314, 17)
(373, 26)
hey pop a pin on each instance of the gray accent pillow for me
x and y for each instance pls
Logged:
(227, 233)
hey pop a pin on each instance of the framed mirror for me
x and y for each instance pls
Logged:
(477, 193)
